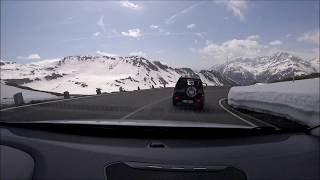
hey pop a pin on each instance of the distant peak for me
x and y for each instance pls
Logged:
(6, 62)
(281, 54)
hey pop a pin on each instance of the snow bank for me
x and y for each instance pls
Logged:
(298, 100)
(7, 93)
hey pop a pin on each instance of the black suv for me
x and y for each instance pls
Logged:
(189, 90)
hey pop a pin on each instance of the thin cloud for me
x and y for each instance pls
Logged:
(275, 43)
(96, 34)
(75, 39)
(172, 18)
(288, 35)
(200, 34)
(101, 24)
(237, 7)
(135, 33)
(191, 26)
(114, 31)
(138, 53)
(101, 53)
(34, 56)
(130, 5)
(310, 37)
(253, 37)
(154, 26)
(71, 18)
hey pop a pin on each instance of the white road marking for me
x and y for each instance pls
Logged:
(235, 115)
(145, 106)
(263, 122)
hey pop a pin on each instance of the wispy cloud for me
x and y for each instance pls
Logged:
(154, 26)
(310, 37)
(96, 34)
(237, 7)
(138, 53)
(135, 33)
(130, 5)
(200, 34)
(34, 56)
(75, 39)
(191, 26)
(70, 18)
(101, 24)
(253, 37)
(172, 18)
(101, 53)
(275, 43)
(157, 27)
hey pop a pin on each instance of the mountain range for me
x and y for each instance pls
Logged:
(279, 66)
(83, 74)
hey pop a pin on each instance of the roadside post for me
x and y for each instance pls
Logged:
(98, 90)
(66, 95)
(18, 99)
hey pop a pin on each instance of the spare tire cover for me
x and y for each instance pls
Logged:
(191, 91)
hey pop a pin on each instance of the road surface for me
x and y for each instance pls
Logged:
(153, 104)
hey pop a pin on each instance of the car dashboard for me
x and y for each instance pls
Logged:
(36, 153)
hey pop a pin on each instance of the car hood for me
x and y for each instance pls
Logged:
(147, 123)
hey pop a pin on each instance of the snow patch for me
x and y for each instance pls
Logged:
(7, 93)
(298, 100)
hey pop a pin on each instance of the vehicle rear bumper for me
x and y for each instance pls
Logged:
(188, 100)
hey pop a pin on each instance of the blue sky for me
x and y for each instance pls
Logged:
(193, 34)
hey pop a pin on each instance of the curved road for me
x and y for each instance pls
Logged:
(153, 104)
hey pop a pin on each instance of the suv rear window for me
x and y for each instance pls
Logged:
(184, 83)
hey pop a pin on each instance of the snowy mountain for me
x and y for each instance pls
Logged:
(279, 66)
(83, 74)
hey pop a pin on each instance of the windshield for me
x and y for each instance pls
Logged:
(222, 64)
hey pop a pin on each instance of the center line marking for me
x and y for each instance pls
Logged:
(145, 106)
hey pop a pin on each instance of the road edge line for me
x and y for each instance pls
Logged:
(235, 115)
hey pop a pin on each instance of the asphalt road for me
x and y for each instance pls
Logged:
(153, 104)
